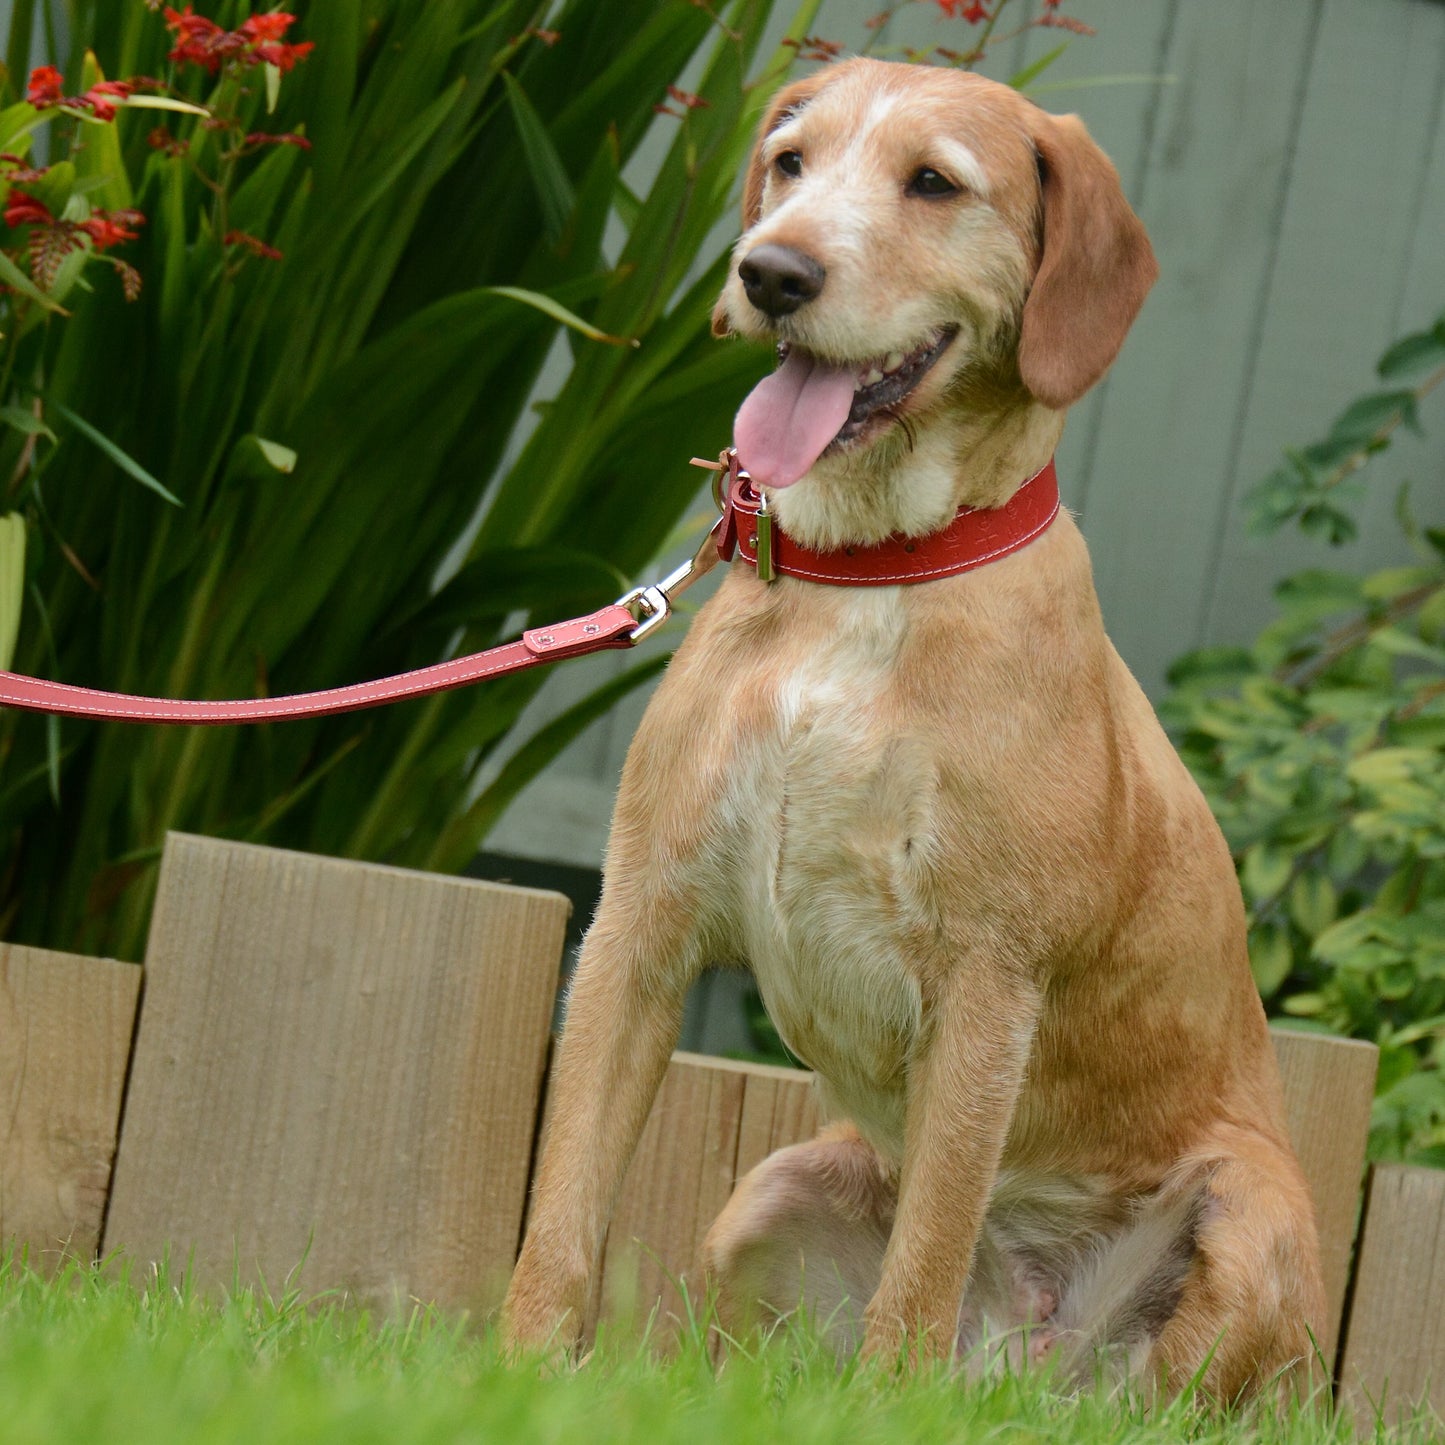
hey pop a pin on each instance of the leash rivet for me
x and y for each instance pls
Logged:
(546, 639)
(591, 627)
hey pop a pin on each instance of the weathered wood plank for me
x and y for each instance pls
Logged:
(712, 1121)
(780, 1107)
(339, 1061)
(1328, 1087)
(1394, 1349)
(65, 1034)
(680, 1177)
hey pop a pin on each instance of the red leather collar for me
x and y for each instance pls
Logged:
(975, 536)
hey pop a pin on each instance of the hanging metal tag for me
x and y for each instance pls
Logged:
(766, 571)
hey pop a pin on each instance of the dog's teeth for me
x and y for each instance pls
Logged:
(893, 361)
(872, 377)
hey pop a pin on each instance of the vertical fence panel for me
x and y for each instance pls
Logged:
(711, 1122)
(1394, 1353)
(1328, 1087)
(336, 1061)
(65, 1034)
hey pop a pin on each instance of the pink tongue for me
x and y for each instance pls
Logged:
(789, 417)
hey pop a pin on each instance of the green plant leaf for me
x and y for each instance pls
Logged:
(558, 312)
(122, 459)
(282, 458)
(1367, 417)
(25, 421)
(1266, 871)
(12, 582)
(544, 165)
(162, 102)
(1313, 903)
(1020, 81)
(1422, 351)
(1270, 959)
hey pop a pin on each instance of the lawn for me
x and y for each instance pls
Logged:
(91, 1358)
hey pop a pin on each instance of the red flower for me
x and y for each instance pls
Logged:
(284, 138)
(267, 27)
(203, 42)
(253, 244)
(814, 47)
(23, 171)
(25, 210)
(46, 84)
(283, 57)
(102, 96)
(110, 228)
(971, 10)
(687, 99)
(159, 138)
(46, 90)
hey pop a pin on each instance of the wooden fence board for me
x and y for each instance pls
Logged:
(65, 1035)
(712, 1121)
(1394, 1353)
(339, 1061)
(679, 1179)
(1328, 1087)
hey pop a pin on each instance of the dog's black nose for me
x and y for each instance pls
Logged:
(779, 279)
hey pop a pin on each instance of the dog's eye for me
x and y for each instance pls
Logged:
(928, 182)
(790, 163)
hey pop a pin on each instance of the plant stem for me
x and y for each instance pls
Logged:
(1356, 460)
(1353, 634)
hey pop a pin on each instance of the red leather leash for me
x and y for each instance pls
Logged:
(745, 529)
(613, 626)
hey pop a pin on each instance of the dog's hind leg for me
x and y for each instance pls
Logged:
(807, 1227)
(1254, 1294)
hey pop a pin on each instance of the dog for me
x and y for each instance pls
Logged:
(982, 897)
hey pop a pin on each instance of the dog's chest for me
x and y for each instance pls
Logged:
(828, 814)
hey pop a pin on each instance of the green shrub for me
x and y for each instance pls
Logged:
(1321, 749)
(250, 476)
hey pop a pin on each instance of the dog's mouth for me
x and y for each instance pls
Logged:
(808, 406)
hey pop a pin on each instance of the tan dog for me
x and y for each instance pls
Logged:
(981, 895)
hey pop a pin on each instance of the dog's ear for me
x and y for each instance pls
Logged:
(783, 106)
(1096, 268)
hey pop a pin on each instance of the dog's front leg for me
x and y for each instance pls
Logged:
(964, 1081)
(623, 1018)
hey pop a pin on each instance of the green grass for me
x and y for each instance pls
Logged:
(90, 1358)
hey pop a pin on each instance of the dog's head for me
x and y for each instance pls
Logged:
(914, 237)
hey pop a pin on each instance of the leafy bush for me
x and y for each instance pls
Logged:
(1321, 749)
(249, 475)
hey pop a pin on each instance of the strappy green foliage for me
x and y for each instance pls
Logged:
(467, 187)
